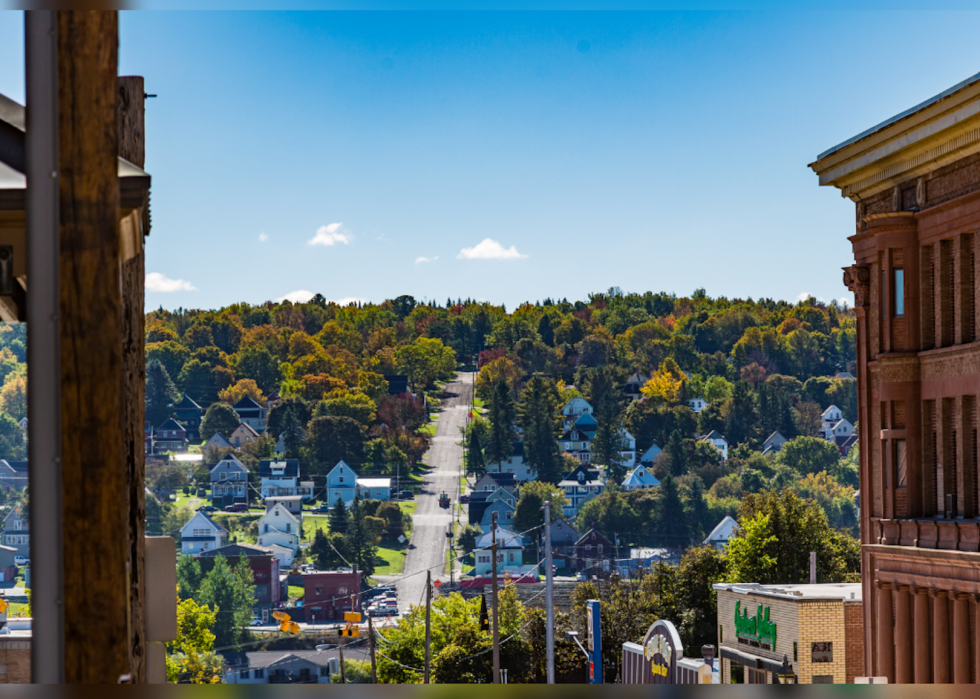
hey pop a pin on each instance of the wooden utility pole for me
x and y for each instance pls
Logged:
(343, 674)
(428, 623)
(496, 611)
(95, 475)
(374, 663)
(549, 599)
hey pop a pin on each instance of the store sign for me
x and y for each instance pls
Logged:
(756, 628)
(662, 648)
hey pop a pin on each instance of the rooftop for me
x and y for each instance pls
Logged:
(821, 591)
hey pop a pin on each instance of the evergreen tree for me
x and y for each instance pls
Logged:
(697, 511)
(500, 439)
(339, 517)
(676, 454)
(602, 392)
(188, 574)
(672, 517)
(538, 417)
(475, 465)
(160, 393)
(230, 591)
(360, 541)
(742, 415)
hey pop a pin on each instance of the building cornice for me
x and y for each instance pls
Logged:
(938, 134)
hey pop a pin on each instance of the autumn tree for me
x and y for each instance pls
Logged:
(666, 383)
(244, 387)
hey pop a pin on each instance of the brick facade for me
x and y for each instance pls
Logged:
(915, 183)
(15, 661)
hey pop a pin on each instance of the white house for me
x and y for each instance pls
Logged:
(650, 454)
(201, 533)
(831, 416)
(374, 488)
(573, 409)
(722, 534)
(718, 441)
(773, 443)
(341, 483)
(242, 435)
(281, 478)
(639, 478)
(628, 454)
(515, 464)
(510, 553)
(839, 431)
(697, 404)
(280, 527)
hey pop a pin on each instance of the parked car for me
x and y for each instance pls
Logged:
(22, 560)
(406, 494)
(237, 507)
(321, 509)
(202, 493)
(375, 592)
(207, 508)
(580, 576)
(464, 499)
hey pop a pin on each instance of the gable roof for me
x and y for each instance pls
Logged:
(575, 404)
(650, 454)
(246, 403)
(772, 438)
(712, 436)
(593, 537)
(207, 518)
(171, 424)
(723, 531)
(343, 464)
(827, 411)
(291, 469)
(506, 539)
(235, 550)
(218, 440)
(18, 466)
(276, 511)
(640, 476)
(232, 458)
(186, 403)
(246, 427)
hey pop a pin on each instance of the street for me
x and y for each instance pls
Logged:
(431, 522)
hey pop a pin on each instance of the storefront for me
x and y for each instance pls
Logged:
(817, 628)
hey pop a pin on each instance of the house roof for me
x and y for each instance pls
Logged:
(275, 510)
(593, 537)
(506, 539)
(171, 424)
(575, 403)
(640, 476)
(246, 427)
(216, 439)
(829, 408)
(232, 458)
(186, 403)
(502, 479)
(397, 383)
(712, 436)
(207, 518)
(374, 482)
(258, 660)
(652, 452)
(246, 403)
(773, 436)
(340, 464)
(290, 470)
(235, 550)
(18, 466)
(723, 531)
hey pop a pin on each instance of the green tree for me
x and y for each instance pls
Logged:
(171, 354)
(742, 422)
(332, 439)
(806, 455)
(476, 434)
(160, 393)
(529, 512)
(361, 540)
(188, 576)
(604, 394)
(356, 406)
(538, 416)
(611, 513)
(672, 523)
(191, 657)
(219, 417)
(13, 441)
(426, 360)
(230, 591)
(339, 517)
(501, 415)
(777, 532)
(257, 362)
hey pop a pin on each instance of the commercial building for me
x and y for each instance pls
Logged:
(915, 183)
(327, 596)
(818, 628)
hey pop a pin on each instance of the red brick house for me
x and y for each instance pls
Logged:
(328, 595)
(264, 565)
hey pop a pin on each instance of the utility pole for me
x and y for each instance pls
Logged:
(343, 675)
(428, 623)
(496, 612)
(374, 664)
(549, 595)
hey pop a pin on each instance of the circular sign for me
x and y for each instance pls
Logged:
(662, 648)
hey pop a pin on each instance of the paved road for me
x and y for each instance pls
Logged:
(431, 522)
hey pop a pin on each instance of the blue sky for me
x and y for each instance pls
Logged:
(650, 151)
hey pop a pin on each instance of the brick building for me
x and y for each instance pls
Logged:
(328, 595)
(915, 182)
(264, 565)
(819, 628)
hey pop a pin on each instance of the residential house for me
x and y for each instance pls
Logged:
(650, 454)
(293, 503)
(593, 553)
(586, 423)
(13, 475)
(251, 413)
(848, 444)
(16, 532)
(478, 505)
(201, 533)
(829, 417)
(170, 436)
(576, 443)
(298, 432)
(503, 494)
(8, 564)
(639, 478)
(718, 441)
(23, 424)
(722, 533)
(277, 667)
(574, 408)
(628, 454)
(844, 375)
(505, 515)
(327, 596)
(773, 443)
(510, 553)
(218, 441)
(285, 557)
(374, 488)
(697, 404)
(634, 385)
(229, 482)
(242, 435)
(580, 485)
(189, 414)
(563, 537)
(278, 526)
(280, 478)
(839, 432)
(265, 570)
(491, 481)
(515, 465)
(341, 484)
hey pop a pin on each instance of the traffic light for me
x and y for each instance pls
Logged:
(285, 625)
(351, 631)
(4, 605)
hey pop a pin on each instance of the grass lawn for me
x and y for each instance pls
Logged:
(408, 507)
(190, 501)
(313, 522)
(394, 561)
(17, 609)
(296, 591)
(429, 429)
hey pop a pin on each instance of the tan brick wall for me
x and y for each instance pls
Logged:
(15, 662)
(821, 622)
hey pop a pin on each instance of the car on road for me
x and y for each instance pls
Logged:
(22, 560)
(321, 509)
(375, 592)
(444, 500)
(406, 494)
(237, 507)
(463, 499)
(580, 577)
(207, 508)
(383, 610)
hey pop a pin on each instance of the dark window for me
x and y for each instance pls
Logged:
(258, 674)
(304, 672)
(899, 292)
(324, 672)
(822, 679)
(796, 652)
(822, 652)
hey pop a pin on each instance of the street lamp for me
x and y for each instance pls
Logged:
(786, 674)
(573, 635)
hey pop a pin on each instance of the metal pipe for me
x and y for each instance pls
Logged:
(549, 598)
(44, 346)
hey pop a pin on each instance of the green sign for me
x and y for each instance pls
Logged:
(756, 628)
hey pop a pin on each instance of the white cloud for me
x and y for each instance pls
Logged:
(298, 296)
(157, 282)
(804, 296)
(844, 302)
(420, 258)
(330, 235)
(489, 249)
(263, 237)
(348, 300)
